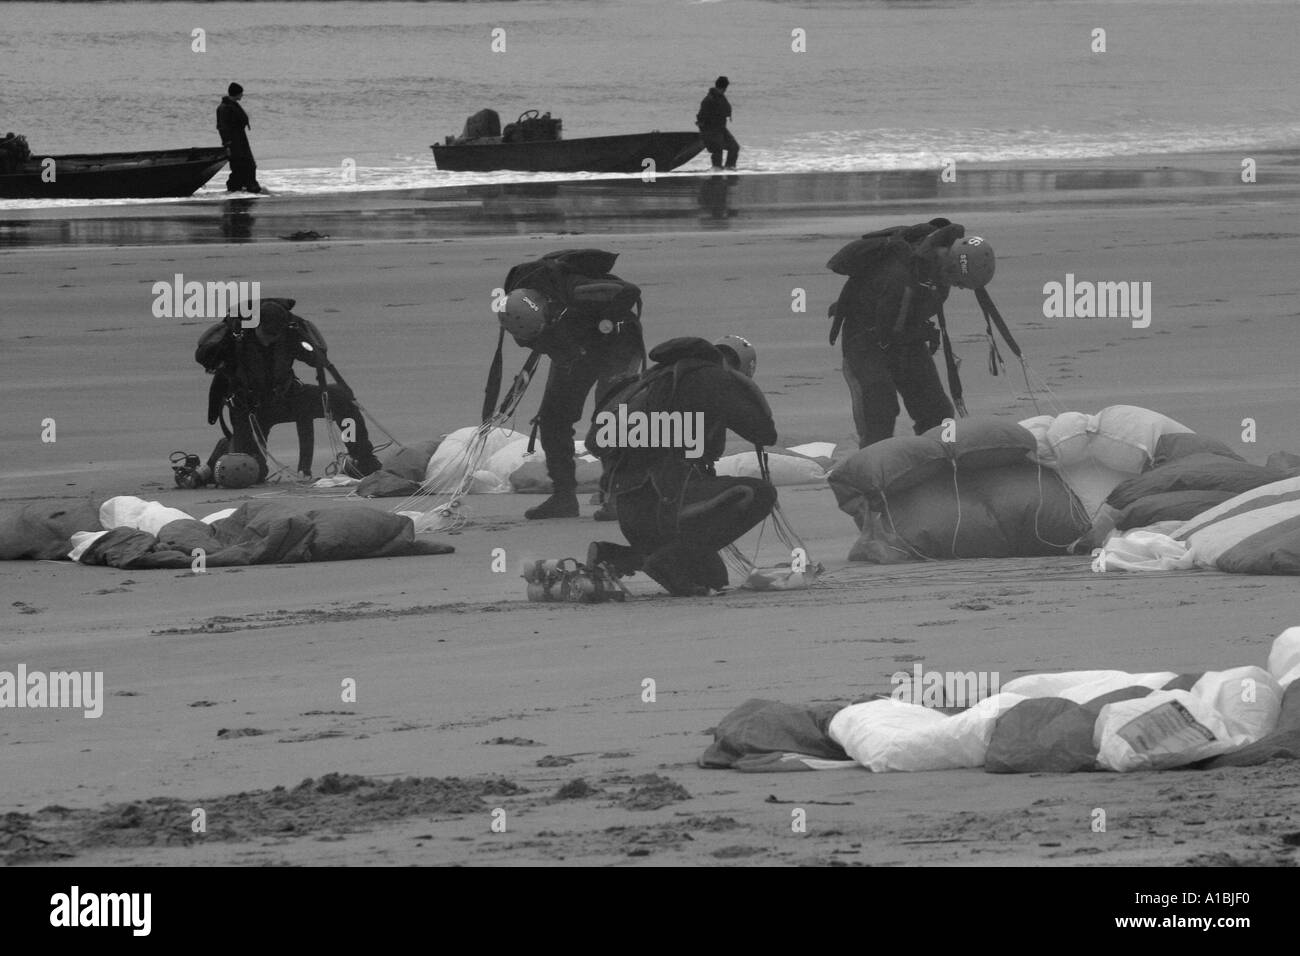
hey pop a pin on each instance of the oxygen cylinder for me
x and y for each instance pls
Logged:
(582, 588)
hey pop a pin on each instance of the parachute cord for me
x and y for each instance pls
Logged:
(456, 478)
(893, 529)
(1024, 368)
(956, 494)
(997, 363)
(378, 426)
(1046, 389)
(1038, 510)
(338, 455)
(259, 438)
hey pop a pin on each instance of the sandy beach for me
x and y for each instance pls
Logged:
(228, 682)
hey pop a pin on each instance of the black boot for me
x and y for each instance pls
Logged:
(714, 571)
(360, 467)
(623, 559)
(665, 566)
(562, 504)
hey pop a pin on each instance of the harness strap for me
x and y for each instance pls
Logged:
(992, 314)
(953, 363)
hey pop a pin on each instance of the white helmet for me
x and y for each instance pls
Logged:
(738, 353)
(525, 314)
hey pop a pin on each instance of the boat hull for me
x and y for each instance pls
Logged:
(596, 154)
(153, 174)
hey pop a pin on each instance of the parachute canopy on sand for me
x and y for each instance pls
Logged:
(1077, 721)
(128, 532)
(1046, 486)
(507, 466)
(1255, 532)
(981, 495)
(1094, 453)
(1181, 488)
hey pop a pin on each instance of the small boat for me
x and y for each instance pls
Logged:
(150, 174)
(533, 144)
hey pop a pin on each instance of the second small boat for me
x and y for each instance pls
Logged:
(533, 143)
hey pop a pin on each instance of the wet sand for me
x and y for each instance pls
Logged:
(447, 655)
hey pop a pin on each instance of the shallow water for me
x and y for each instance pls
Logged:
(882, 85)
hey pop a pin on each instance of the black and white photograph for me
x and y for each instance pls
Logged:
(651, 433)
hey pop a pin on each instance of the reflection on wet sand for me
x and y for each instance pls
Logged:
(669, 202)
(237, 219)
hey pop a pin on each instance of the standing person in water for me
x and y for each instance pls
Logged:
(232, 124)
(712, 118)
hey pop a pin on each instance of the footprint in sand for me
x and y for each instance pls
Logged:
(553, 761)
(304, 738)
(512, 742)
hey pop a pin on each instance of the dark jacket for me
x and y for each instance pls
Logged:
(729, 400)
(232, 121)
(577, 330)
(714, 112)
(870, 304)
(260, 375)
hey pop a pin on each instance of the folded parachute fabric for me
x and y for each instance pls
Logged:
(763, 736)
(974, 492)
(129, 532)
(1094, 453)
(42, 530)
(1064, 484)
(1059, 723)
(1255, 532)
(504, 464)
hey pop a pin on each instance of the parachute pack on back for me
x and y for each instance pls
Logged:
(213, 350)
(651, 390)
(216, 352)
(580, 281)
(861, 257)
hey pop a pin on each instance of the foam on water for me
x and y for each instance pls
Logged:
(882, 86)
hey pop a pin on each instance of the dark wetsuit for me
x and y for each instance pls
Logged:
(263, 389)
(663, 497)
(715, 110)
(881, 363)
(581, 357)
(232, 124)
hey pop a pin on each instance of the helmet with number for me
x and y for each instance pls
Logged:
(968, 263)
(738, 353)
(525, 314)
(236, 470)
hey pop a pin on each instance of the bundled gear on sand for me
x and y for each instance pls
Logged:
(898, 281)
(570, 307)
(254, 383)
(568, 580)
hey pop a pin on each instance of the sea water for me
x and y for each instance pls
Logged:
(816, 85)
